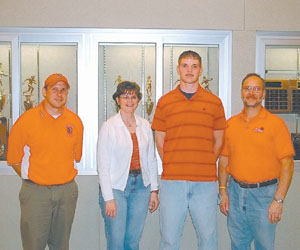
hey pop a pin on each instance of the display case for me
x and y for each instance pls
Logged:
(95, 61)
(38, 61)
(5, 96)
(210, 63)
(282, 62)
(278, 62)
(132, 62)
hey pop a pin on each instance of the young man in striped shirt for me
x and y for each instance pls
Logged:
(189, 125)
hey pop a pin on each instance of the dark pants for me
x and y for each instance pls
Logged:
(47, 214)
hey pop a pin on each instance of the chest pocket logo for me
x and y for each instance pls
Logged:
(258, 130)
(69, 129)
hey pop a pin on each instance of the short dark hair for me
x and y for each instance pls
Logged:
(127, 87)
(190, 53)
(253, 74)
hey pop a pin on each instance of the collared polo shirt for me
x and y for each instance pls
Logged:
(254, 148)
(189, 142)
(45, 147)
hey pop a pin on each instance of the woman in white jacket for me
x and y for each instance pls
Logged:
(127, 169)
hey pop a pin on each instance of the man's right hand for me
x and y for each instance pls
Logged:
(111, 208)
(224, 204)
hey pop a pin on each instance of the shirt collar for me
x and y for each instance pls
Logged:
(198, 93)
(44, 113)
(262, 114)
(121, 123)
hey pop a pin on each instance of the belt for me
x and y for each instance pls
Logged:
(256, 185)
(135, 172)
(54, 185)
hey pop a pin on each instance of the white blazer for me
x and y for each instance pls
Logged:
(114, 151)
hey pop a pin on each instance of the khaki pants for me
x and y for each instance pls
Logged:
(47, 214)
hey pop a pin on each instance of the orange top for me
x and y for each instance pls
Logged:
(46, 147)
(189, 125)
(255, 148)
(135, 158)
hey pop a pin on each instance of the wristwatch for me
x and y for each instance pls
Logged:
(279, 200)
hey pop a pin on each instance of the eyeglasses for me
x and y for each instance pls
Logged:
(254, 88)
(129, 97)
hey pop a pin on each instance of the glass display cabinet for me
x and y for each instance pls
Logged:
(282, 62)
(5, 96)
(95, 61)
(210, 63)
(137, 62)
(278, 60)
(282, 75)
(131, 62)
(38, 61)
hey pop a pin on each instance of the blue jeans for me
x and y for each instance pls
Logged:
(124, 231)
(248, 217)
(179, 197)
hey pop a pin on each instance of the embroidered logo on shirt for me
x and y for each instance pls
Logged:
(69, 129)
(258, 130)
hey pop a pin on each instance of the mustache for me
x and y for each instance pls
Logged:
(251, 96)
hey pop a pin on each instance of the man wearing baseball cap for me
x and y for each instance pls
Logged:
(43, 147)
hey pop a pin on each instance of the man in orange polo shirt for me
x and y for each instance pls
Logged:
(43, 147)
(189, 124)
(258, 157)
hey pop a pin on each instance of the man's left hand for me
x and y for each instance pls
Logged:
(275, 212)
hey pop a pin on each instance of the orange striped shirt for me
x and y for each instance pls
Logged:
(189, 125)
(135, 158)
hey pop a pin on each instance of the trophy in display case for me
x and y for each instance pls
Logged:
(29, 103)
(149, 103)
(118, 80)
(2, 101)
(2, 95)
(205, 83)
(3, 119)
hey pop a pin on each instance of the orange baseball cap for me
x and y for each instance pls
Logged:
(55, 78)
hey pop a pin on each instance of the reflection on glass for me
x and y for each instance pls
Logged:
(282, 62)
(38, 61)
(282, 74)
(5, 92)
(122, 61)
(210, 63)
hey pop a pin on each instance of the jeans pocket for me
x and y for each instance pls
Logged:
(74, 190)
(24, 193)
(268, 191)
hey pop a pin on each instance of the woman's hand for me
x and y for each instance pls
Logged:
(111, 208)
(153, 201)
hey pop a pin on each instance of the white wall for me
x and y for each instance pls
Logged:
(243, 17)
(88, 228)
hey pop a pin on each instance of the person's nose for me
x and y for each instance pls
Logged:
(189, 69)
